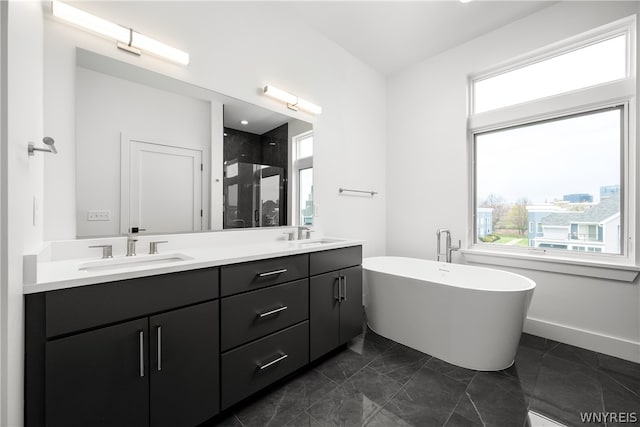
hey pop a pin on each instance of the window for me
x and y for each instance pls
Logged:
(303, 177)
(590, 65)
(552, 146)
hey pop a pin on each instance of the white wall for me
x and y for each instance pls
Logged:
(428, 180)
(21, 186)
(236, 48)
(108, 106)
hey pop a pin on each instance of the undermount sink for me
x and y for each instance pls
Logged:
(131, 262)
(323, 241)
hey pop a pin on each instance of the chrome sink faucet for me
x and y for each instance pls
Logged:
(304, 232)
(131, 245)
(107, 250)
(448, 248)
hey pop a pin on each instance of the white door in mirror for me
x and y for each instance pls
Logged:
(165, 188)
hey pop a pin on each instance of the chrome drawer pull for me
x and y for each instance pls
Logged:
(273, 362)
(159, 348)
(272, 273)
(141, 337)
(344, 284)
(269, 313)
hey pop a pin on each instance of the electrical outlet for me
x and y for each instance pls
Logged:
(98, 215)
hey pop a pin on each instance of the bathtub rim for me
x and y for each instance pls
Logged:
(531, 283)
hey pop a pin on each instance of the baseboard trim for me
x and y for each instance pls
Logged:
(613, 346)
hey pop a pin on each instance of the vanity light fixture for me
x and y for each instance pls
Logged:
(293, 102)
(126, 38)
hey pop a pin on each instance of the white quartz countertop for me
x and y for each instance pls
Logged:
(69, 273)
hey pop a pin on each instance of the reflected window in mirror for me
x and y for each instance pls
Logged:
(303, 171)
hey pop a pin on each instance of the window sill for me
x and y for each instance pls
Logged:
(549, 263)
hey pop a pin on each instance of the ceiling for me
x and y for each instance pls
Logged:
(390, 36)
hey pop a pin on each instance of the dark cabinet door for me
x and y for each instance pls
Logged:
(324, 314)
(184, 366)
(351, 304)
(99, 378)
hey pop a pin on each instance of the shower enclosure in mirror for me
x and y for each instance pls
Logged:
(159, 155)
(255, 177)
(254, 195)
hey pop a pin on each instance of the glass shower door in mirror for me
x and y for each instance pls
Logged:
(254, 195)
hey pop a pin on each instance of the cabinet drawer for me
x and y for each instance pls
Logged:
(334, 259)
(85, 307)
(251, 367)
(252, 315)
(258, 274)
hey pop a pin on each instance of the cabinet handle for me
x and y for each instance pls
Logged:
(280, 358)
(272, 273)
(269, 313)
(159, 348)
(141, 339)
(344, 284)
(337, 297)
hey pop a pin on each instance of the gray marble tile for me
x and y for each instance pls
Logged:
(428, 399)
(343, 365)
(355, 400)
(304, 420)
(228, 421)
(533, 342)
(467, 410)
(496, 403)
(625, 372)
(457, 420)
(384, 418)
(400, 362)
(379, 383)
(287, 402)
(575, 354)
(507, 383)
(452, 371)
(620, 400)
(566, 388)
(526, 367)
(380, 342)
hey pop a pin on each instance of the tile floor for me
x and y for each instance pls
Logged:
(377, 382)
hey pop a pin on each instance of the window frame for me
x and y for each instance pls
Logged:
(624, 26)
(620, 92)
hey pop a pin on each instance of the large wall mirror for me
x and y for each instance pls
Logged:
(158, 155)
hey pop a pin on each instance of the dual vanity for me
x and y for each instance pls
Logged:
(176, 343)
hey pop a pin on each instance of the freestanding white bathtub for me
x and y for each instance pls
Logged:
(465, 315)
